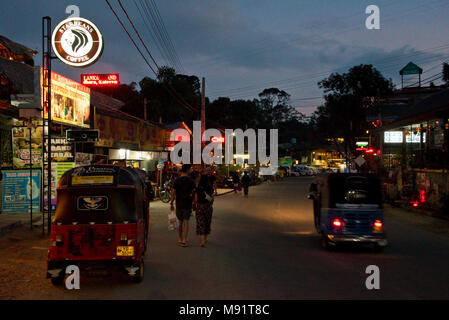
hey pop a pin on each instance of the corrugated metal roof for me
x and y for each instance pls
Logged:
(424, 110)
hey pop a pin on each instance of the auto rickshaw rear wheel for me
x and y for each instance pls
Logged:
(138, 277)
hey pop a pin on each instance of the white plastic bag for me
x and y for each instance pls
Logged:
(172, 221)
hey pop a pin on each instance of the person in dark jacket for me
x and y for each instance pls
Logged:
(183, 192)
(246, 180)
(236, 180)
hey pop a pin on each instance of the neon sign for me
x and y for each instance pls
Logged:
(100, 79)
(217, 139)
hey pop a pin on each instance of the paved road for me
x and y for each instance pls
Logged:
(264, 247)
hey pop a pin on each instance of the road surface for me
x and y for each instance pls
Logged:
(263, 247)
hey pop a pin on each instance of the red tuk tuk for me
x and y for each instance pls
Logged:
(101, 220)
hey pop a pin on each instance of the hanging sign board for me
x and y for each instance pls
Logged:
(82, 135)
(77, 42)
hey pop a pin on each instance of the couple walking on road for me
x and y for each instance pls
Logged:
(193, 191)
(245, 182)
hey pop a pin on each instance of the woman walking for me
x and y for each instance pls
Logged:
(204, 200)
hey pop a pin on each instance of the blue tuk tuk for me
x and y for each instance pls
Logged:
(348, 207)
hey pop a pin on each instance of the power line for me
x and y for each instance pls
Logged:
(320, 74)
(173, 93)
(156, 42)
(167, 36)
(157, 31)
(169, 87)
(310, 83)
(161, 33)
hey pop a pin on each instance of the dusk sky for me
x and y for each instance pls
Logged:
(244, 46)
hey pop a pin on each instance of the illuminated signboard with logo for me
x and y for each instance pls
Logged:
(393, 137)
(77, 42)
(100, 79)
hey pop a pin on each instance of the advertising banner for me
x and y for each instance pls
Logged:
(16, 191)
(113, 130)
(151, 137)
(83, 159)
(21, 147)
(70, 101)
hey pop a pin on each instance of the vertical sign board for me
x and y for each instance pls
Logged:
(57, 170)
(21, 146)
(16, 191)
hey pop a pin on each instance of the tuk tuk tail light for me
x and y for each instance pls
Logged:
(337, 223)
(378, 226)
(58, 240)
(123, 236)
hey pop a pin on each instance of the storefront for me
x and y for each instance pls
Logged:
(125, 139)
(414, 153)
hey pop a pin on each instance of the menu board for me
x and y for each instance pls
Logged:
(17, 191)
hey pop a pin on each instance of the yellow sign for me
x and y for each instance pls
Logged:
(126, 251)
(77, 180)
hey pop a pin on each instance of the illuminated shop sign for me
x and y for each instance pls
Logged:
(217, 139)
(77, 42)
(397, 137)
(70, 101)
(415, 137)
(100, 79)
(393, 137)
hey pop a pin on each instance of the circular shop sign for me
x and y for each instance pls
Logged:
(77, 42)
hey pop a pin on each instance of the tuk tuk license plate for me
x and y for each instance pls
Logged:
(125, 251)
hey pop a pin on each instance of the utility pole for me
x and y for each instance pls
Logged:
(203, 110)
(145, 101)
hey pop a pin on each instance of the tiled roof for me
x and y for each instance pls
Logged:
(20, 74)
(17, 48)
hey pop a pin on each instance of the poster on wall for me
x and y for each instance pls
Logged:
(16, 191)
(57, 170)
(83, 159)
(21, 147)
(70, 101)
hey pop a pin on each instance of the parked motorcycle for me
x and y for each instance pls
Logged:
(165, 192)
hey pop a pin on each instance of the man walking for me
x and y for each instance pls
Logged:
(246, 180)
(183, 191)
(236, 180)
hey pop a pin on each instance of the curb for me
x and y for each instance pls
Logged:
(222, 194)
